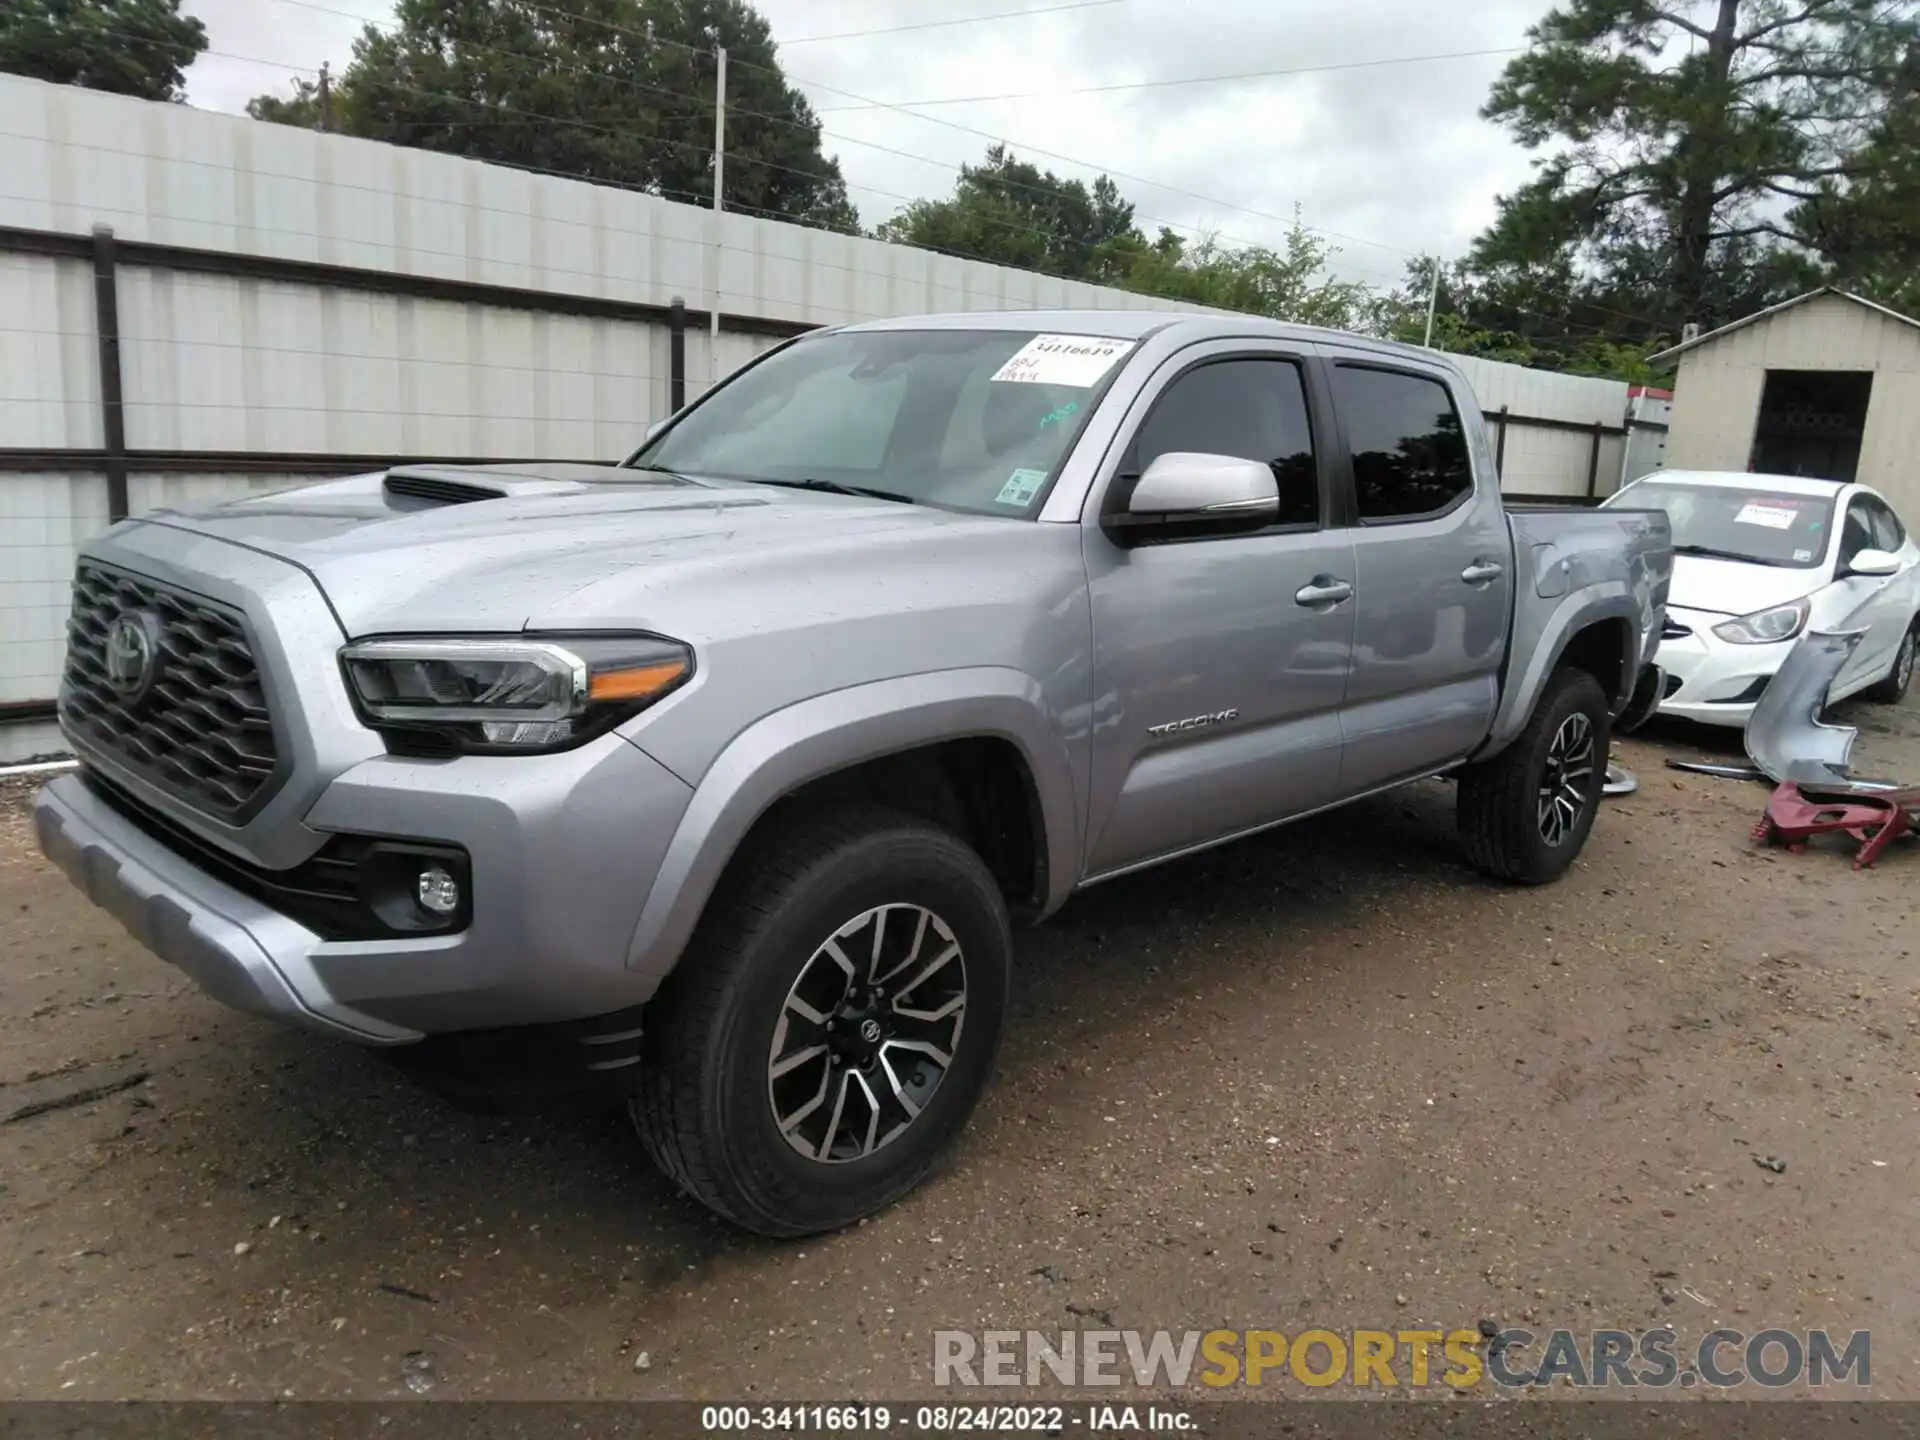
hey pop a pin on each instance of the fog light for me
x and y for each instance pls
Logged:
(437, 891)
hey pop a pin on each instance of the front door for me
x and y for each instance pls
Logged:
(1432, 556)
(1881, 605)
(1219, 664)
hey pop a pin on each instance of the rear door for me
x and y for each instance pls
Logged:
(1433, 561)
(1219, 663)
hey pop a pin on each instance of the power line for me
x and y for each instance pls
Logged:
(962, 20)
(1012, 227)
(1190, 80)
(867, 102)
(534, 117)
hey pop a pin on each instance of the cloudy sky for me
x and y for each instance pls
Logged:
(1388, 159)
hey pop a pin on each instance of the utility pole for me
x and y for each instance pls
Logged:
(1433, 302)
(326, 98)
(719, 204)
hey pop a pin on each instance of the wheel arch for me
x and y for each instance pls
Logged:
(972, 750)
(1598, 637)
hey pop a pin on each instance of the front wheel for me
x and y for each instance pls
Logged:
(1525, 814)
(1893, 689)
(828, 1031)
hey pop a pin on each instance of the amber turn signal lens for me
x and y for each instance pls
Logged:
(635, 684)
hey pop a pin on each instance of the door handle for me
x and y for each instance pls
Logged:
(1323, 593)
(1481, 571)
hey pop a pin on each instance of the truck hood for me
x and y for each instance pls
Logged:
(498, 548)
(1733, 587)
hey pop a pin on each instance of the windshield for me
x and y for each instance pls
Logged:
(1764, 527)
(974, 420)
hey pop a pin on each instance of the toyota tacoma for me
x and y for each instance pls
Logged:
(722, 772)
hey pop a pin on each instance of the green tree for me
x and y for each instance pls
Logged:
(617, 91)
(1677, 137)
(129, 47)
(1291, 282)
(1522, 321)
(1010, 212)
(1867, 227)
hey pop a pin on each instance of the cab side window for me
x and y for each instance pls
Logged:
(1409, 448)
(1251, 409)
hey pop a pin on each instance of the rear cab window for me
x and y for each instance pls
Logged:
(1411, 459)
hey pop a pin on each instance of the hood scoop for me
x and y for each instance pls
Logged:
(423, 487)
(412, 491)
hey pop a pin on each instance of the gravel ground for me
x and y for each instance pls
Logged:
(1323, 1078)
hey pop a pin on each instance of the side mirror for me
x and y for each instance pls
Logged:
(1873, 562)
(1184, 494)
(657, 426)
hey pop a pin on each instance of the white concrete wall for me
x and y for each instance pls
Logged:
(1537, 461)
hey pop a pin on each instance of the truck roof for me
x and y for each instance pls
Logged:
(1139, 324)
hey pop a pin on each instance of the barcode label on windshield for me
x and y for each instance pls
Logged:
(1774, 517)
(1077, 360)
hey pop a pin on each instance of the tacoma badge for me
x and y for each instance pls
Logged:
(1192, 722)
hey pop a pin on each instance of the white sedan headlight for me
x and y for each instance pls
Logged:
(1766, 627)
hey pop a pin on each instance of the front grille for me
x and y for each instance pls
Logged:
(200, 728)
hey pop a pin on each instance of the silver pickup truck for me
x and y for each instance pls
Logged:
(720, 773)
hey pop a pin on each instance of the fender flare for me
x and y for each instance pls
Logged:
(812, 738)
(1524, 687)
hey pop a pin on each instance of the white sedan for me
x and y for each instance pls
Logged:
(1761, 558)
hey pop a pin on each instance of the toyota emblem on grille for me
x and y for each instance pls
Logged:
(133, 655)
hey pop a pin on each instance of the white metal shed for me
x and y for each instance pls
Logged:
(1825, 384)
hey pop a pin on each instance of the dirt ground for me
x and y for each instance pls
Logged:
(1327, 1078)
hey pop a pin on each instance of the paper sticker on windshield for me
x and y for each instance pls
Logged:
(1802, 556)
(1021, 487)
(1774, 517)
(1077, 360)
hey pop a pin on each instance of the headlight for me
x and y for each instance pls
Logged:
(1766, 627)
(514, 695)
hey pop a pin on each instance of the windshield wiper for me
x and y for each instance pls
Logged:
(835, 487)
(1713, 554)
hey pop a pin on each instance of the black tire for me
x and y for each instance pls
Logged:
(1893, 689)
(704, 1101)
(1500, 800)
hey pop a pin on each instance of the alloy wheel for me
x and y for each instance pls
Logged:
(1567, 786)
(867, 1033)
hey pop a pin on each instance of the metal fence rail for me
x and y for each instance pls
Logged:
(116, 460)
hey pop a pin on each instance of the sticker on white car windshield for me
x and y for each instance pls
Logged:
(1774, 517)
(1076, 360)
(1021, 487)
(1801, 557)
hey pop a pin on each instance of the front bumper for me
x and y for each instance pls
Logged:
(563, 850)
(1710, 680)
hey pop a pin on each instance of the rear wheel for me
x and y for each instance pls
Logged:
(827, 1034)
(1525, 814)
(1893, 689)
